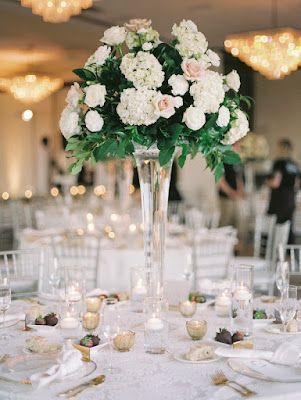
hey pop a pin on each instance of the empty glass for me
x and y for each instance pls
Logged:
(110, 325)
(288, 304)
(282, 275)
(54, 275)
(5, 299)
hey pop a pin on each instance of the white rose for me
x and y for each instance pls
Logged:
(223, 116)
(147, 46)
(69, 122)
(165, 105)
(101, 54)
(179, 85)
(191, 25)
(194, 118)
(232, 81)
(213, 58)
(95, 95)
(94, 121)
(75, 94)
(114, 36)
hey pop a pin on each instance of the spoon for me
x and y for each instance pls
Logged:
(93, 383)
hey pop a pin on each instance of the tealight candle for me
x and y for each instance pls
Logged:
(242, 293)
(90, 321)
(196, 329)
(69, 323)
(93, 304)
(124, 340)
(187, 308)
(139, 289)
(154, 324)
(223, 304)
(74, 295)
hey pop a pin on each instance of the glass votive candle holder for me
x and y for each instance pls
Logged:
(187, 308)
(93, 304)
(124, 340)
(155, 335)
(69, 322)
(90, 321)
(196, 329)
(138, 288)
(223, 304)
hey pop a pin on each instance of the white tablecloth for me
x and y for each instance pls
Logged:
(158, 377)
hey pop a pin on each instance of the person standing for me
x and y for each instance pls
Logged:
(284, 182)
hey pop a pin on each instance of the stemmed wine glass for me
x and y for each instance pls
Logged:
(288, 304)
(5, 298)
(110, 325)
(282, 275)
(54, 275)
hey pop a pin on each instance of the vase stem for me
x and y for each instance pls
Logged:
(154, 185)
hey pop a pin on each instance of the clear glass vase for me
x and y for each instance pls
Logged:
(154, 185)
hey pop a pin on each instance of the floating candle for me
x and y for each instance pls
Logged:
(69, 323)
(154, 324)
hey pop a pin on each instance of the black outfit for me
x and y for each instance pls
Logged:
(283, 198)
(231, 173)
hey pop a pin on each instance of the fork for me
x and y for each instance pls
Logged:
(219, 378)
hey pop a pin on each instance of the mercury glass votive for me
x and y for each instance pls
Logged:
(93, 304)
(196, 329)
(187, 308)
(90, 321)
(124, 340)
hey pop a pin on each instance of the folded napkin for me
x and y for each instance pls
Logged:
(13, 316)
(68, 362)
(285, 354)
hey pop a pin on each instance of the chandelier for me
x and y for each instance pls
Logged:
(57, 10)
(274, 53)
(31, 88)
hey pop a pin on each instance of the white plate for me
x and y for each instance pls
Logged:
(277, 328)
(207, 303)
(242, 366)
(181, 356)
(94, 349)
(259, 322)
(23, 366)
(26, 351)
(43, 328)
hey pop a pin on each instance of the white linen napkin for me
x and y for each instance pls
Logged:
(285, 354)
(13, 316)
(69, 361)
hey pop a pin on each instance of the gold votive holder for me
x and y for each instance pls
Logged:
(124, 340)
(187, 308)
(90, 321)
(196, 329)
(93, 304)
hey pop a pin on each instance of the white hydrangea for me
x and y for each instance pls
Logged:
(75, 94)
(151, 36)
(191, 42)
(99, 57)
(213, 57)
(208, 92)
(223, 116)
(179, 85)
(94, 122)
(69, 122)
(136, 106)
(95, 95)
(239, 128)
(144, 70)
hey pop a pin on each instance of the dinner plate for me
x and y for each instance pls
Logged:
(181, 356)
(26, 351)
(9, 323)
(274, 328)
(23, 366)
(283, 373)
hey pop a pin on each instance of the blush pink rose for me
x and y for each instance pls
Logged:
(135, 24)
(193, 70)
(165, 105)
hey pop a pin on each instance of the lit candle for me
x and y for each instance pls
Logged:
(187, 308)
(139, 289)
(154, 324)
(223, 304)
(242, 293)
(93, 304)
(74, 295)
(196, 329)
(90, 321)
(124, 340)
(69, 323)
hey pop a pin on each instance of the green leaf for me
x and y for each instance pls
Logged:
(105, 150)
(69, 169)
(84, 74)
(230, 157)
(71, 146)
(77, 167)
(181, 160)
(223, 148)
(165, 155)
(219, 171)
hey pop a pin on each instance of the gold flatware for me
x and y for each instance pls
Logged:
(94, 383)
(219, 378)
(4, 358)
(98, 380)
(25, 381)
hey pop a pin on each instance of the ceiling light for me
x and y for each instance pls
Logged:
(27, 115)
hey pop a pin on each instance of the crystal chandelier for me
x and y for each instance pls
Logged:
(274, 53)
(57, 10)
(31, 88)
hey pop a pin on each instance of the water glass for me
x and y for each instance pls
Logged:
(156, 327)
(54, 275)
(242, 299)
(282, 275)
(110, 325)
(5, 299)
(288, 304)
(75, 284)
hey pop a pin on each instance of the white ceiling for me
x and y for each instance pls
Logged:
(26, 40)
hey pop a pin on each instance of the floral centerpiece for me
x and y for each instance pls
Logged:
(150, 102)
(157, 93)
(253, 147)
